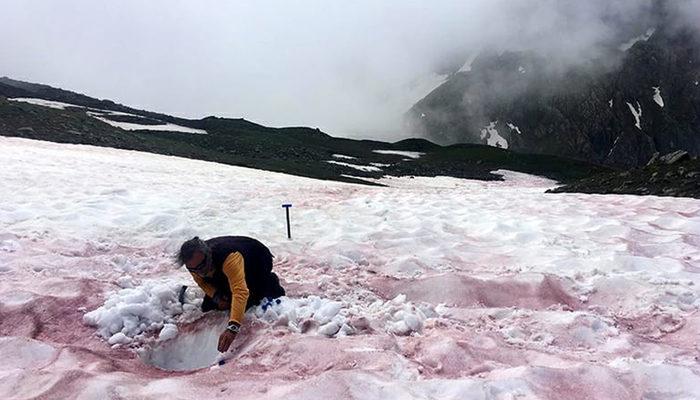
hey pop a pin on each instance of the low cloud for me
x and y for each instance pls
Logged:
(350, 68)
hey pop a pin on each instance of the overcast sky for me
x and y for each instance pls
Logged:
(349, 67)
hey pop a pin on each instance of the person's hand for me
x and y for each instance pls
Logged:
(225, 340)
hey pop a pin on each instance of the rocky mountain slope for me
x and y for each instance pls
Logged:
(617, 110)
(42, 112)
(675, 174)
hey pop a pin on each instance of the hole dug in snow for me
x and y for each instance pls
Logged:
(188, 351)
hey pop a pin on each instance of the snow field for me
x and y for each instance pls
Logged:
(514, 293)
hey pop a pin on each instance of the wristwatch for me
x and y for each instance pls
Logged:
(233, 327)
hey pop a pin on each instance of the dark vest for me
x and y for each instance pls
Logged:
(257, 261)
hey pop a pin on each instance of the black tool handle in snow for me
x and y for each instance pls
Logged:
(289, 229)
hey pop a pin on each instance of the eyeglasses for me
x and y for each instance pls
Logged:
(199, 267)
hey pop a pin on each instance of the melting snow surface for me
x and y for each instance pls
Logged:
(366, 168)
(409, 154)
(637, 114)
(492, 137)
(657, 97)
(427, 288)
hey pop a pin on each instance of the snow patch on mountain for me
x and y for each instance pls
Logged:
(637, 114)
(44, 103)
(130, 126)
(409, 154)
(365, 168)
(344, 157)
(492, 137)
(100, 115)
(657, 96)
(515, 128)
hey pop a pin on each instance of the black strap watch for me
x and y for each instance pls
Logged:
(233, 327)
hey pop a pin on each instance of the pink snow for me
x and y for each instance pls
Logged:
(440, 288)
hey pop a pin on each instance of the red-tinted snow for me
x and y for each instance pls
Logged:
(432, 288)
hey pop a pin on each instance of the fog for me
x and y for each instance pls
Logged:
(349, 68)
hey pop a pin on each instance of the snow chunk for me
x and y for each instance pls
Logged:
(134, 311)
(338, 318)
(168, 332)
(657, 96)
(521, 69)
(610, 103)
(366, 168)
(344, 157)
(119, 338)
(409, 154)
(492, 137)
(637, 113)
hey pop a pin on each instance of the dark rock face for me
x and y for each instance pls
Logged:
(676, 156)
(616, 111)
(674, 174)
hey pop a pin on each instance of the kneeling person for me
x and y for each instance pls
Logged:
(235, 273)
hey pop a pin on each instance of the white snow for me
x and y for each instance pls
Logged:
(168, 332)
(130, 126)
(637, 114)
(45, 103)
(515, 128)
(521, 69)
(425, 288)
(99, 114)
(610, 103)
(492, 137)
(409, 154)
(130, 312)
(366, 168)
(334, 317)
(643, 37)
(342, 156)
(657, 96)
(192, 351)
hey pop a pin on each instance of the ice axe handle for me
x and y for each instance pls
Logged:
(289, 229)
